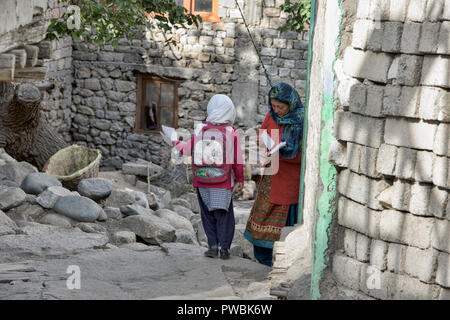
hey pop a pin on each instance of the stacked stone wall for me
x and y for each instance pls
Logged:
(213, 58)
(393, 151)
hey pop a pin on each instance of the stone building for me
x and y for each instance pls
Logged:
(376, 207)
(119, 93)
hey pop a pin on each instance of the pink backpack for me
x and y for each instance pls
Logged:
(212, 153)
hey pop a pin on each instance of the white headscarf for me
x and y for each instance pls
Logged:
(221, 110)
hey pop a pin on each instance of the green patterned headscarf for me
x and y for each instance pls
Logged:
(293, 121)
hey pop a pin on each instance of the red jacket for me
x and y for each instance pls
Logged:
(286, 182)
(186, 148)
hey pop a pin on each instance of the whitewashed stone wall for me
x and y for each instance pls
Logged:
(215, 58)
(393, 151)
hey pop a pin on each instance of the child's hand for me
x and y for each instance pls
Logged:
(240, 186)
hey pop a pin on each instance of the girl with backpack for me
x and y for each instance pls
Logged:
(217, 165)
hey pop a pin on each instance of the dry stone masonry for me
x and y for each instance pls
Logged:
(393, 151)
(215, 58)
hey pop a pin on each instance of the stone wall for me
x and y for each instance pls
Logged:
(392, 127)
(24, 22)
(57, 103)
(215, 58)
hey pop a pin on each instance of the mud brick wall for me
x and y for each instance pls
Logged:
(393, 151)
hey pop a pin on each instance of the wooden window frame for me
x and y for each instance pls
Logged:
(142, 79)
(206, 16)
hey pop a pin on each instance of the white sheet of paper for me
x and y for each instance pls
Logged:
(170, 133)
(267, 140)
(277, 147)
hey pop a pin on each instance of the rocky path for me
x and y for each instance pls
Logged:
(43, 261)
(115, 237)
(136, 271)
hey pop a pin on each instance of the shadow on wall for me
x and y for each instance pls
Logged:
(393, 149)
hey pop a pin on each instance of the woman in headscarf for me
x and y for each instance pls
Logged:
(276, 202)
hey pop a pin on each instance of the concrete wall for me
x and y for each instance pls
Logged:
(392, 151)
(215, 58)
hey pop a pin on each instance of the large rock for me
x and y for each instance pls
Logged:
(193, 200)
(152, 201)
(184, 236)
(58, 220)
(200, 232)
(122, 237)
(152, 229)
(175, 220)
(181, 202)
(11, 197)
(113, 213)
(142, 168)
(26, 212)
(139, 197)
(78, 208)
(40, 240)
(164, 196)
(37, 182)
(96, 188)
(7, 226)
(119, 197)
(183, 211)
(135, 209)
(48, 198)
(16, 171)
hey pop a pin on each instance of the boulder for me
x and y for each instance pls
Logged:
(102, 216)
(78, 208)
(198, 227)
(175, 220)
(183, 211)
(151, 228)
(181, 202)
(48, 198)
(40, 240)
(135, 209)
(37, 182)
(119, 197)
(91, 227)
(7, 158)
(140, 198)
(58, 220)
(96, 188)
(164, 196)
(7, 226)
(16, 171)
(193, 200)
(11, 197)
(152, 201)
(26, 212)
(123, 237)
(113, 213)
(142, 168)
(185, 236)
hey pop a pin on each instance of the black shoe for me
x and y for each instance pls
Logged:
(224, 254)
(212, 253)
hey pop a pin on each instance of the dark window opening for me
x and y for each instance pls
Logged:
(157, 103)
